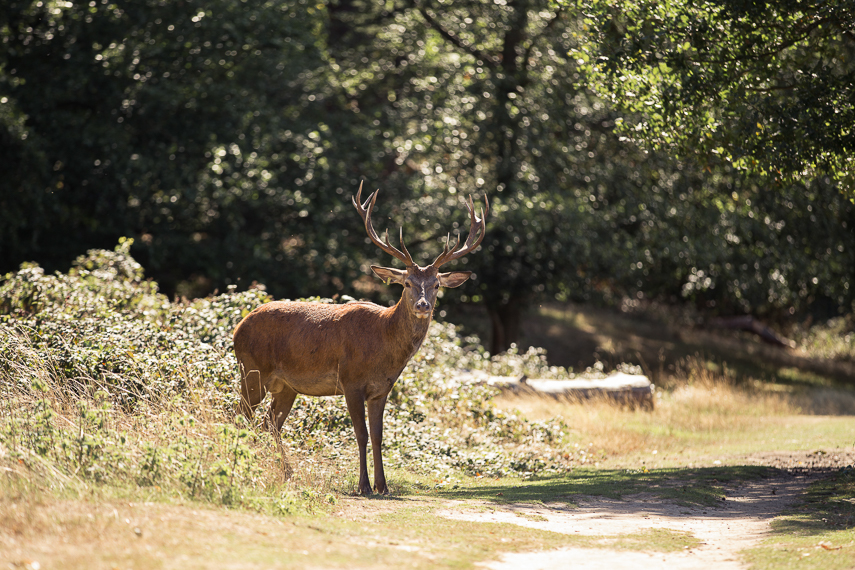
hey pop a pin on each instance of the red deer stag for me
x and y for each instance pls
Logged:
(358, 349)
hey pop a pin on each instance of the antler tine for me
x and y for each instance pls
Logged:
(403, 246)
(445, 249)
(365, 213)
(477, 229)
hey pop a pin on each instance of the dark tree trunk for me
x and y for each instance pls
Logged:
(338, 26)
(505, 318)
(510, 77)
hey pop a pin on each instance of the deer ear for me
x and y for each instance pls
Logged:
(390, 275)
(453, 278)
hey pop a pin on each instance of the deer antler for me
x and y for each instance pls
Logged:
(476, 227)
(365, 213)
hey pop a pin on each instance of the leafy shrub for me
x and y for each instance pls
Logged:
(146, 390)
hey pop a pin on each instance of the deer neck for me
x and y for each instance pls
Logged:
(408, 330)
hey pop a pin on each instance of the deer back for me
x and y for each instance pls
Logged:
(321, 349)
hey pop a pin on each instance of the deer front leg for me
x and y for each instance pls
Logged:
(280, 407)
(356, 407)
(375, 423)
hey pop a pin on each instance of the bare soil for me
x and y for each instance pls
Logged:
(741, 521)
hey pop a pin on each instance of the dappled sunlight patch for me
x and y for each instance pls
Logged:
(834, 339)
(648, 517)
(817, 531)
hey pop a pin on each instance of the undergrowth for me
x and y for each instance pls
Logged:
(834, 339)
(107, 381)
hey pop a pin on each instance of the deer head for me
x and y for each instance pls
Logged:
(421, 284)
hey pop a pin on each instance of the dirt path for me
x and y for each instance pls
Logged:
(739, 522)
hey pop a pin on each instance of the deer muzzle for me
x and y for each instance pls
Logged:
(422, 308)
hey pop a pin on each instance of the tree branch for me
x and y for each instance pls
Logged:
(489, 60)
(772, 88)
(772, 50)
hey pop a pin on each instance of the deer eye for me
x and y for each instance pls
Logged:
(436, 286)
(407, 284)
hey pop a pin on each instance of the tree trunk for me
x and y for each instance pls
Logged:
(505, 318)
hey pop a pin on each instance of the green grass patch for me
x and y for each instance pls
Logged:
(661, 338)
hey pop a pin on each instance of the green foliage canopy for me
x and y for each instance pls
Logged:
(190, 125)
(768, 85)
(483, 96)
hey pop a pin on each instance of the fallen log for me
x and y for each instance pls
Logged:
(630, 389)
(750, 324)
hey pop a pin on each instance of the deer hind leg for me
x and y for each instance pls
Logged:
(252, 390)
(375, 423)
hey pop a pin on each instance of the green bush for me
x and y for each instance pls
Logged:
(106, 380)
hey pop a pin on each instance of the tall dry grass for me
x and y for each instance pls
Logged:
(703, 408)
(67, 437)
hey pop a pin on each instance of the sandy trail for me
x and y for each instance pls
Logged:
(740, 522)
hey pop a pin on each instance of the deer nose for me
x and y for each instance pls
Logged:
(422, 306)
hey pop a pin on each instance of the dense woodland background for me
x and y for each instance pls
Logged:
(681, 153)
